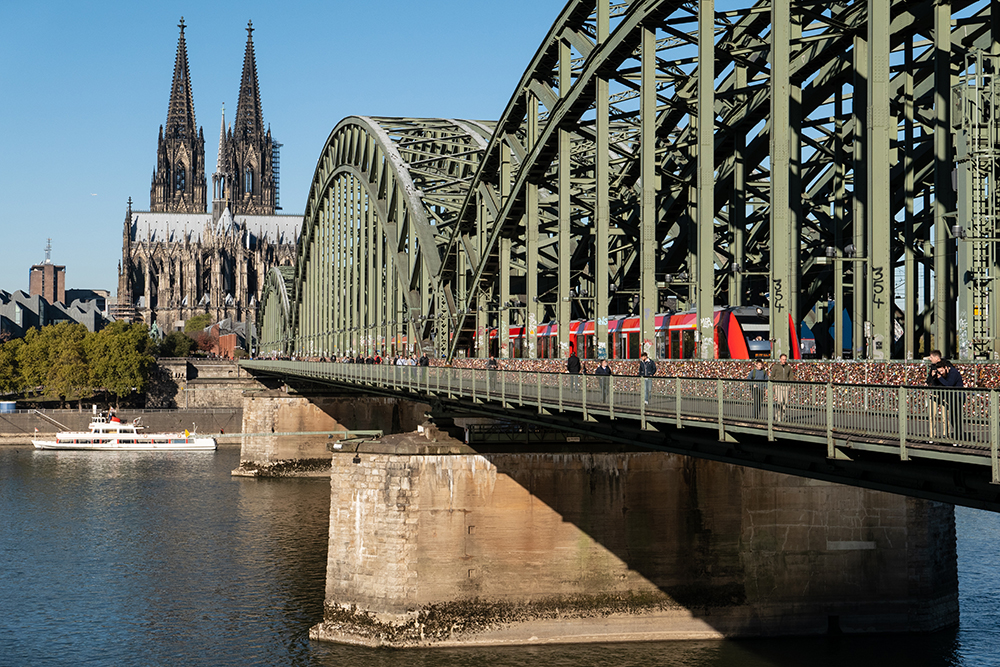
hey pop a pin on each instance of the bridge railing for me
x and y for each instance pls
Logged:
(911, 416)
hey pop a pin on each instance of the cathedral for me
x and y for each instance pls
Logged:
(178, 258)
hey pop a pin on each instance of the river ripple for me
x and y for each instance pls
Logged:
(141, 558)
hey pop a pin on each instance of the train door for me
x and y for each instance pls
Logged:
(687, 344)
(675, 344)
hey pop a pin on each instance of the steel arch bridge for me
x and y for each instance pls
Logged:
(623, 176)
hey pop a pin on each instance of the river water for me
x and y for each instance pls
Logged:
(151, 559)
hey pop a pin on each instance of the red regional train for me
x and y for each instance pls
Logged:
(740, 333)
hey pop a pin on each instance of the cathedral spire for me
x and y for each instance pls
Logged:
(249, 118)
(179, 177)
(180, 112)
(222, 142)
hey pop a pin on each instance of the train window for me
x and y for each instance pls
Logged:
(661, 344)
(687, 343)
(633, 345)
(517, 347)
(612, 351)
(675, 344)
(588, 347)
(621, 348)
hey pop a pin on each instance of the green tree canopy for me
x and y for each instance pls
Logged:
(120, 358)
(10, 369)
(68, 374)
(197, 323)
(175, 344)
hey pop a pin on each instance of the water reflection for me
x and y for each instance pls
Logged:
(163, 558)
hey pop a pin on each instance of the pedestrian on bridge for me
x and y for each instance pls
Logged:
(937, 410)
(783, 373)
(603, 373)
(491, 372)
(573, 368)
(647, 369)
(758, 387)
(950, 378)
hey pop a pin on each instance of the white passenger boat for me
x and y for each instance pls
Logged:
(112, 434)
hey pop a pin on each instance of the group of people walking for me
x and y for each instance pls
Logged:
(945, 407)
(781, 372)
(400, 360)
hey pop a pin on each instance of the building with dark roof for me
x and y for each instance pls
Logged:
(20, 311)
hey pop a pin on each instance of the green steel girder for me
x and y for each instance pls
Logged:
(621, 173)
(820, 70)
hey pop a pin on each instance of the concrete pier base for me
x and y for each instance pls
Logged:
(457, 549)
(287, 435)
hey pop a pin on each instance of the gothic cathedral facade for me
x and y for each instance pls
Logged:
(178, 258)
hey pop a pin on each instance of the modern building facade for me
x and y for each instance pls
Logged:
(178, 258)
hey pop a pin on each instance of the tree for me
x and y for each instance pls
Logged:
(175, 344)
(120, 358)
(69, 374)
(52, 361)
(10, 370)
(206, 341)
(197, 323)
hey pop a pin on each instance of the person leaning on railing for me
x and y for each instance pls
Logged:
(950, 378)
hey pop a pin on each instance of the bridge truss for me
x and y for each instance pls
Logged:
(623, 178)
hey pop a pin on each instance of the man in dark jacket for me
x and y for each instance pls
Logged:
(647, 369)
(573, 368)
(948, 377)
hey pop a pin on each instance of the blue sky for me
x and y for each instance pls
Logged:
(84, 88)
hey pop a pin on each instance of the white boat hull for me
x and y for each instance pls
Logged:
(86, 442)
(112, 434)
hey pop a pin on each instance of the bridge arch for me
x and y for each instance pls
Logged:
(384, 196)
(275, 311)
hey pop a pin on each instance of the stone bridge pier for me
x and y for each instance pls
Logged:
(289, 434)
(434, 544)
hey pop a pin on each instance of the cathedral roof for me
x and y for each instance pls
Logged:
(169, 227)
